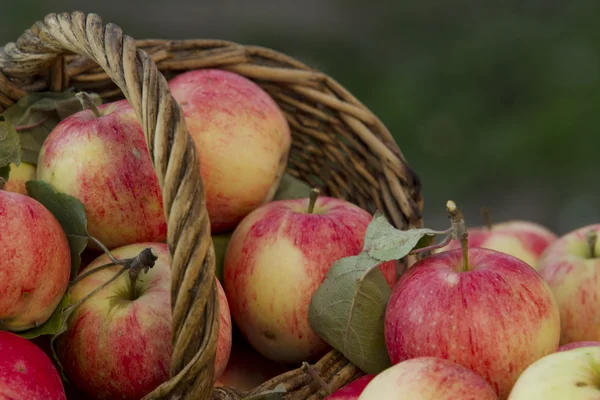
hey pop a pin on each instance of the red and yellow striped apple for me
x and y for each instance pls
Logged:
(428, 378)
(571, 266)
(242, 139)
(118, 342)
(26, 372)
(103, 161)
(18, 176)
(35, 265)
(523, 239)
(488, 311)
(277, 258)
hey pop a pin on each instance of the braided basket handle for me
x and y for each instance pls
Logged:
(194, 298)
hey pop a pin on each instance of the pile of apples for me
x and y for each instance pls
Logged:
(483, 321)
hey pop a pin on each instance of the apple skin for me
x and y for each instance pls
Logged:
(495, 319)
(26, 372)
(523, 239)
(352, 390)
(18, 176)
(35, 266)
(428, 378)
(574, 278)
(242, 138)
(104, 162)
(277, 258)
(137, 333)
(576, 345)
(569, 374)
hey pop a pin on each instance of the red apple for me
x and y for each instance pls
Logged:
(104, 162)
(523, 239)
(576, 345)
(277, 258)
(496, 317)
(352, 390)
(118, 342)
(26, 372)
(35, 265)
(18, 176)
(428, 378)
(571, 266)
(242, 138)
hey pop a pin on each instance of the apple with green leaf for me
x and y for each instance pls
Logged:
(99, 156)
(428, 378)
(26, 372)
(572, 374)
(118, 341)
(571, 266)
(242, 138)
(486, 310)
(277, 258)
(35, 266)
(525, 240)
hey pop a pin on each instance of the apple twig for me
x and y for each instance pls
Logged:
(314, 193)
(460, 228)
(487, 219)
(592, 237)
(106, 251)
(90, 272)
(87, 103)
(142, 262)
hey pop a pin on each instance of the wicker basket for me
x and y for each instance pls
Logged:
(351, 155)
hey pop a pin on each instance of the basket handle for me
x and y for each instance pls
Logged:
(194, 298)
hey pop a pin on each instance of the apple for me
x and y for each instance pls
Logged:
(277, 258)
(569, 374)
(571, 266)
(118, 341)
(18, 175)
(576, 345)
(489, 311)
(242, 138)
(35, 266)
(26, 372)
(428, 378)
(352, 390)
(523, 239)
(103, 161)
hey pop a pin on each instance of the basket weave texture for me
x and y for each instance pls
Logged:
(338, 145)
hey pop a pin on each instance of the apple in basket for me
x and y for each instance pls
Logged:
(571, 266)
(19, 174)
(277, 258)
(118, 342)
(35, 262)
(26, 372)
(525, 240)
(428, 378)
(486, 310)
(242, 139)
(101, 158)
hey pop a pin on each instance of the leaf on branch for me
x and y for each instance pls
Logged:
(69, 212)
(348, 310)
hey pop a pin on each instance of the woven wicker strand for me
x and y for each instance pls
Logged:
(338, 145)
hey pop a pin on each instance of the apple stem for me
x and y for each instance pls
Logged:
(314, 193)
(105, 250)
(460, 228)
(143, 261)
(592, 237)
(485, 213)
(308, 369)
(88, 104)
(88, 273)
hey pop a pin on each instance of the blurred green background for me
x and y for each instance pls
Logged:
(493, 103)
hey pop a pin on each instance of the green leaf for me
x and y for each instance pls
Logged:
(69, 212)
(348, 309)
(53, 324)
(36, 114)
(291, 187)
(274, 394)
(384, 242)
(10, 146)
